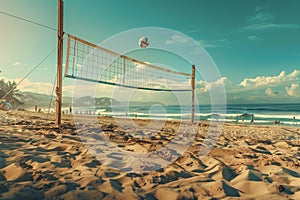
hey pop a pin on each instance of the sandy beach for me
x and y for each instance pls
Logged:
(40, 161)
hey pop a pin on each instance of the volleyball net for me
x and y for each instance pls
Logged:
(89, 62)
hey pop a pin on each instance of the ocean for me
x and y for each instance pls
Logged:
(262, 113)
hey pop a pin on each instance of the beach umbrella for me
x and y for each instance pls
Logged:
(4, 105)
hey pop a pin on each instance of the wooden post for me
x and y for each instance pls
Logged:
(193, 94)
(124, 70)
(67, 59)
(60, 34)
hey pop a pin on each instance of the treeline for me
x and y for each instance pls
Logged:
(11, 93)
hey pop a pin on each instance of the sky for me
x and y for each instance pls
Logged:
(255, 44)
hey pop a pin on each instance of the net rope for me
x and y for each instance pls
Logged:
(89, 62)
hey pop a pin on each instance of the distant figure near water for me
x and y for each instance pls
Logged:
(252, 119)
(294, 121)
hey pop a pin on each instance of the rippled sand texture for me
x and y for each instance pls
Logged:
(41, 161)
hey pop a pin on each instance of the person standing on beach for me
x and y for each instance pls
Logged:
(252, 119)
(294, 121)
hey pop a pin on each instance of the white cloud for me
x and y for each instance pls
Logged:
(269, 92)
(177, 39)
(207, 44)
(43, 87)
(213, 43)
(16, 64)
(264, 20)
(294, 74)
(270, 80)
(140, 67)
(38, 87)
(198, 51)
(264, 26)
(254, 38)
(206, 86)
(293, 91)
(262, 15)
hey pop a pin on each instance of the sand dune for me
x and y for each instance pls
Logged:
(41, 161)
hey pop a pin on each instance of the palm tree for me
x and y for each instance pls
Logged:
(12, 93)
(2, 88)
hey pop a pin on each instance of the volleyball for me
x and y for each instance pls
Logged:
(143, 42)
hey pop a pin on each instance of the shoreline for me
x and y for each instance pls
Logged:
(263, 116)
(297, 125)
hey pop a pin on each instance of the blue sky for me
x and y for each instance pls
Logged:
(255, 44)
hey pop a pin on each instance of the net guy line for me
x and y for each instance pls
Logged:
(27, 20)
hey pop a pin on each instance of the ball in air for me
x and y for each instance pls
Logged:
(143, 42)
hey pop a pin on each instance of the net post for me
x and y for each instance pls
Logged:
(74, 51)
(67, 57)
(124, 70)
(60, 34)
(193, 94)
